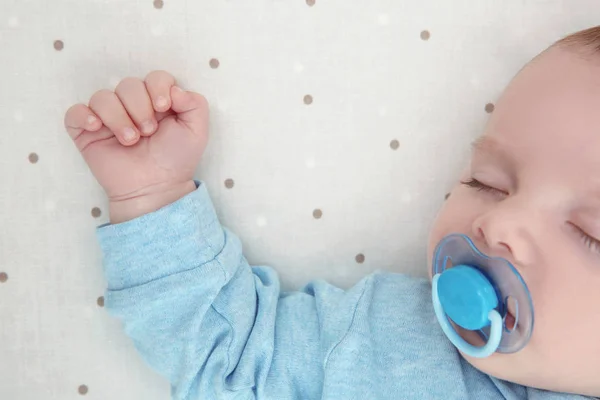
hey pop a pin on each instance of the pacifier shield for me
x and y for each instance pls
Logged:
(471, 287)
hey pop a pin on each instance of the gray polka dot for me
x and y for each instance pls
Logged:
(58, 45)
(308, 99)
(83, 389)
(360, 258)
(394, 144)
(310, 2)
(3, 277)
(229, 183)
(317, 214)
(425, 35)
(214, 63)
(489, 108)
(96, 212)
(446, 196)
(33, 158)
(158, 4)
(100, 301)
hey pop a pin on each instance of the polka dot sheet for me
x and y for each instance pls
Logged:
(337, 129)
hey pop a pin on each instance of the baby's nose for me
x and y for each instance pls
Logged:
(495, 242)
(508, 234)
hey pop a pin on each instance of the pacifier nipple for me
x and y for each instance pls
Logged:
(470, 290)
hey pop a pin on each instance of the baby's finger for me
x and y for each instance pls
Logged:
(191, 109)
(80, 118)
(108, 107)
(158, 84)
(162, 115)
(133, 95)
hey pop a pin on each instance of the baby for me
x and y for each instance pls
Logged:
(218, 328)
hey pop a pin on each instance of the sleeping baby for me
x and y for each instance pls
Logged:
(514, 259)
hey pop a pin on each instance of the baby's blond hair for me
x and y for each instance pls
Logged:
(587, 40)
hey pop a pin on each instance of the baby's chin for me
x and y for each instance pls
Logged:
(499, 365)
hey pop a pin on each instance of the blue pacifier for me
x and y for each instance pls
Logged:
(482, 294)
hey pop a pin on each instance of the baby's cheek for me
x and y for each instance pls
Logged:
(560, 326)
(456, 213)
(444, 223)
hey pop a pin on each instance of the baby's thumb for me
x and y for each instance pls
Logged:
(191, 109)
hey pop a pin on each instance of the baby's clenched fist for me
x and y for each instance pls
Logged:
(142, 142)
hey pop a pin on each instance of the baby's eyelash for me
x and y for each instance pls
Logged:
(480, 187)
(592, 243)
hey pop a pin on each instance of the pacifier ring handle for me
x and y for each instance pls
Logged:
(473, 351)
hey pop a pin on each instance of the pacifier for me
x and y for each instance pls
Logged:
(483, 294)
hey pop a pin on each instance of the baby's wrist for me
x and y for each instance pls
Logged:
(124, 210)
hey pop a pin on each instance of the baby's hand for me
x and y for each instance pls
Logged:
(142, 142)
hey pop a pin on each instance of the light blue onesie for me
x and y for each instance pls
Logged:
(217, 328)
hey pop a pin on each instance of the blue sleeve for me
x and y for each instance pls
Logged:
(214, 326)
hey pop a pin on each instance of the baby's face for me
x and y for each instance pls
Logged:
(533, 197)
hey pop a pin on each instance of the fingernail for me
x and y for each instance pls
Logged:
(129, 134)
(148, 127)
(91, 120)
(161, 102)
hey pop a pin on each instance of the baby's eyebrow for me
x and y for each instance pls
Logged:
(490, 146)
(484, 144)
(487, 144)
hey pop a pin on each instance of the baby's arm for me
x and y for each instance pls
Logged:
(197, 312)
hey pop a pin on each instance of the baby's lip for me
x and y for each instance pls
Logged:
(473, 338)
(509, 320)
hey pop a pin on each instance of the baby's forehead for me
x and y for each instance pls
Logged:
(551, 109)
